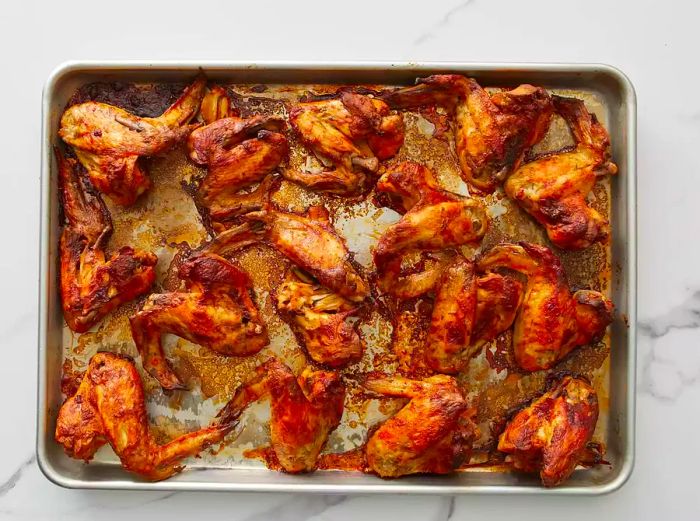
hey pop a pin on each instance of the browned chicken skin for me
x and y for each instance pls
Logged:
(91, 286)
(492, 132)
(469, 311)
(216, 311)
(349, 133)
(304, 410)
(553, 188)
(109, 141)
(434, 220)
(109, 407)
(550, 436)
(320, 318)
(432, 433)
(308, 241)
(237, 153)
(551, 321)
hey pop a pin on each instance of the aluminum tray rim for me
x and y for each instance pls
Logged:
(629, 99)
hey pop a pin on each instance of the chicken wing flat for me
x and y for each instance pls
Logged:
(434, 220)
(308, 241)
(304, 411)
(91, 286)
(215, 311)
(553, 188)
(550, 436)
(109, 407)
(432, 433)
(492, 132)
(237, 153)
(349, 134)
(108, 141)
(321, 319)
(551, 321)
(469, 311)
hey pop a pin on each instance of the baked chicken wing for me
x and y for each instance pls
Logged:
(553, 188)
(237, 153)
(433, 433)
(309, 241)
(492, 132)
(109, 141)
(550, 436)
(349, 134)
(91, 285)
(469, 311)
(551, 321)
(215, 311)
(109, 407)
(321, 319)
(434, 220)
(304, 411)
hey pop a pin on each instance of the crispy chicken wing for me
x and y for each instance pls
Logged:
(349, 133)
(308, 241)
(92, 286)
(551, 321)
(553, 188)
(469, 311)
(216, 311)
(434, 220)
(551, 435)
(321, 318)
(304, 410)
(237, 153)
(432, 433)
(109, 407)
(108, 141)
(492, 132)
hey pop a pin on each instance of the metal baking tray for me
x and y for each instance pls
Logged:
(617, 106)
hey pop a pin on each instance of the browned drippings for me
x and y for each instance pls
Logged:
(165, 221)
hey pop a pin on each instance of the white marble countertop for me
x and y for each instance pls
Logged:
(655, 43)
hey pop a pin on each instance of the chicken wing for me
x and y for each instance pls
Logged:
(432, 433)
(109, 407)
(216, 311)
(237, 153)
(91, 286)
(551, 321)
(308, 241)
(551, 435)
(349, 133)
(434, 220)
(469, 311)
(109, 141)
(304, 411)
(553, 188)
(492, 132)
(321, 318)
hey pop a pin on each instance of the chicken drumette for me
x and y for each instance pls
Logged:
(553, 188)
(109, 141)
(320, 318)
(92, 286)
(551, 321)
(469, 311)
(550, 436)
(434, 220)
(349, 133)
(237, 153)
(492, 132)
(304, 411)
(432, 433)
(308, 241)
(215, 311)
(109, 407)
